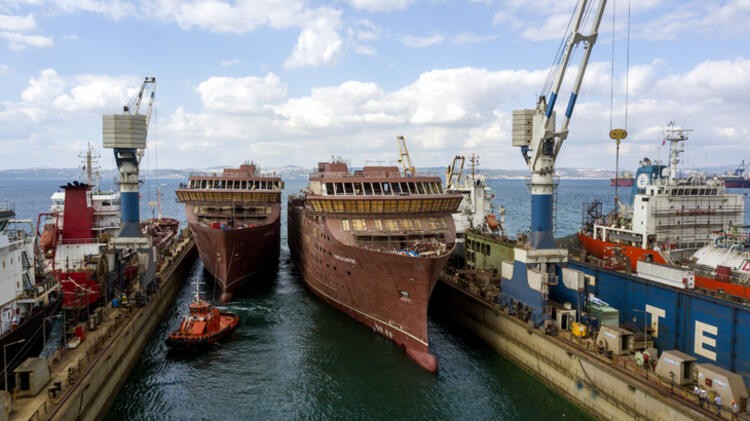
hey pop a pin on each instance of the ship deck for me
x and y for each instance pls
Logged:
(70, 367)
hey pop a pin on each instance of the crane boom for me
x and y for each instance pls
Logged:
(404, 159)
(534, 129)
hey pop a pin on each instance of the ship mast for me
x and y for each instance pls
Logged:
(90, 164)
(675, 137)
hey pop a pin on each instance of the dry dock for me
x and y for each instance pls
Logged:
(607, 389)
(84, 380)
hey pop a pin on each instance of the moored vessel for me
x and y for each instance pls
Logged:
(670, 219)
(235, 220)
(27, 296)
(372, 244)
(736, 179)
(204, 325)
(624, 180)
(475, 211)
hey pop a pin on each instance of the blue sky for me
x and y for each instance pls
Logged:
(296, 82)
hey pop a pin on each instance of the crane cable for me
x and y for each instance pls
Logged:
(612, 70)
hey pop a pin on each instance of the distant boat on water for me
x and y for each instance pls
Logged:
(625, 180)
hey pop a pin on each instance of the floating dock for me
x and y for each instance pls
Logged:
(606, 388)
(84, 380)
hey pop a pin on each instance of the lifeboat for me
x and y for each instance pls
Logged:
(48, 241)
(492, 222)
(205, 325)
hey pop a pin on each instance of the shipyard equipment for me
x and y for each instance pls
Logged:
(404, 158)
(534, 130)
(724, 383)
(676, 366)
(126, 134)
(527, 288)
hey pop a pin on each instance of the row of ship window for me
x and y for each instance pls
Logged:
(226, 196)
(384, 206)
(402, 224)
(383, 188)
(474, 246)
(235, 184)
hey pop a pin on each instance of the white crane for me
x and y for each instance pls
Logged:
(126, 134)
(534, 129)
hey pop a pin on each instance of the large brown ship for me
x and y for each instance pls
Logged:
(235, 220)
(372, 243)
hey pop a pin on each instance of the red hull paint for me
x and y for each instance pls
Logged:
(233, 255)
(367, 284)
(621, 182)
(177, 340)
(78, 288)
(713, 284)
(740, 183)
(603, 249)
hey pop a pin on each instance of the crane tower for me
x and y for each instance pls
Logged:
(126, 134)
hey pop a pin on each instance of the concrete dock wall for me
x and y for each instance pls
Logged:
(585, 379)
(97, 385)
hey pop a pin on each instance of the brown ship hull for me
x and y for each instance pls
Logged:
(385, 291)
(234, 255)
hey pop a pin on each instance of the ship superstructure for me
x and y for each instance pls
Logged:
(372, 243)
(105, 204)
(475, 210)
(670, 216)
(677, 221)
(235, 220)
(27, 296)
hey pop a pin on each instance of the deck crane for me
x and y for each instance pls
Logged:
(534, 129)
(526, 282)
(126, 134)
(404, 159)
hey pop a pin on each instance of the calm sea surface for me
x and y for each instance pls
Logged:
(293, 357)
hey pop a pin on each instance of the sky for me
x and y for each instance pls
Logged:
(295, 82)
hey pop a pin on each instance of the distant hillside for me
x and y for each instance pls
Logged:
(293, 172)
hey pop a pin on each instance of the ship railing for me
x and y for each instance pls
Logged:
(220, 175)
(697, 212)
(413, 244)
(356, 176)
(17, 235)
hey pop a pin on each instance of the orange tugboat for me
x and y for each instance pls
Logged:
(204, 325)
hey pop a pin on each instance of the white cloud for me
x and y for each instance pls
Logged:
(319, 42)
(17, 23)
(18, 41)
(43, 89)
(113, 9)
(421, 42)
(97, 94)
(380, 5)
(229, 63)
(469, 38)
(552, 28)
(361, 35)
(335, 106)
(224, 16)
(4, 70)
(241, 95)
